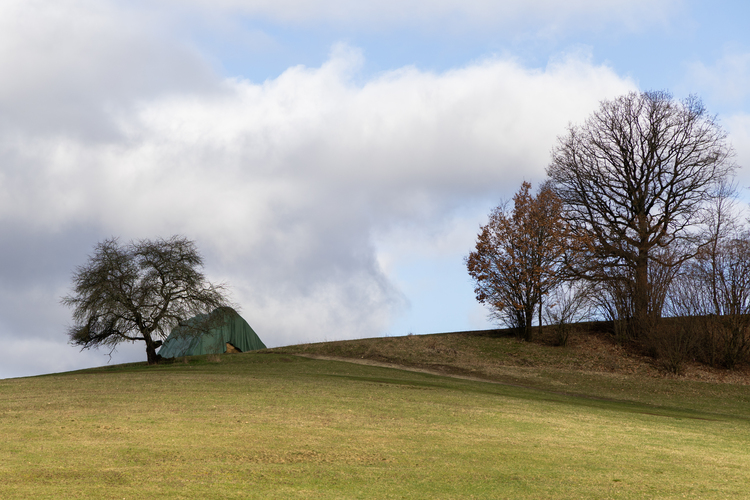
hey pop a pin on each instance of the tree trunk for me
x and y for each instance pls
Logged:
(151, 347)
(540, 314)
(641, 297)
(528, 335)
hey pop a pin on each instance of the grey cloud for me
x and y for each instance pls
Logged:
(73, 67)
(283, 185)
(35, 272)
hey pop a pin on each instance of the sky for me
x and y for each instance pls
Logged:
(333, 160)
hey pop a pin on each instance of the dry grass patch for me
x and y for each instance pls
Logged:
(592, 365)
(490, 353)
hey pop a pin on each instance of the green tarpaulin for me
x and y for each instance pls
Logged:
(209, 334)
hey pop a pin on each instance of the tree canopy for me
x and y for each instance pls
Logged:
(139, 292)
(634, 180)
(636, 220)
(519, 256)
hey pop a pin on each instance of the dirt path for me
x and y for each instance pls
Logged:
(383, 364)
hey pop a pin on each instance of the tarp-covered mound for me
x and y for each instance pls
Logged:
(210, 334)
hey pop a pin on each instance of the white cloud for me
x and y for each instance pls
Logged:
(287, 185)
(405, 145)
(302, 191)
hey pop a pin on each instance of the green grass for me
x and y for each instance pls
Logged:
(271, 425)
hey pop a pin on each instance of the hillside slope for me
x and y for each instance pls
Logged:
(497, 356)
(277, 426)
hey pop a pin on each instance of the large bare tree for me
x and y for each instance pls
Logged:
(634, 180)
(139, 292)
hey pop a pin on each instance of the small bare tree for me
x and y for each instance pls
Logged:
(139, 292)
(567, 305)
(519, 257)
(713, 290)
(634, 180)
(724, 273)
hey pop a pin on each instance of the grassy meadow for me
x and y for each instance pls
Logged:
(275, 425)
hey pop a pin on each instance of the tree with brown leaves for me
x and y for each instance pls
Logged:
(519, 257)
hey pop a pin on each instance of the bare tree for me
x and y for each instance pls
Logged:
(722, 226)
(567, 305)
(139, 292)
(519, 256)
(710, 297)
(634, 179)
(721, 273)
